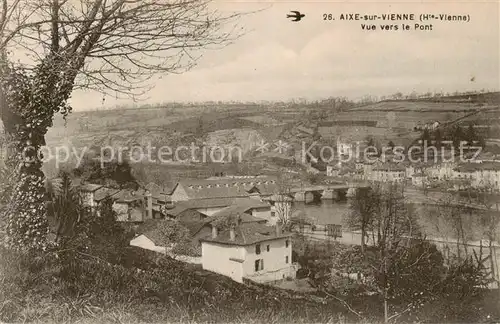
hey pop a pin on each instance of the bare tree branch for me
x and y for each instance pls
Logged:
(123, 42)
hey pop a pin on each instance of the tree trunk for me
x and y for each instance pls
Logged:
(386, 310)
(363, 234)
(386, 306)
(27, 225)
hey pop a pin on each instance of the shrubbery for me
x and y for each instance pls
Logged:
(421, 287)
(94, 275)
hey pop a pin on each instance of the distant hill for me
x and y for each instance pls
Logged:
(396, 120)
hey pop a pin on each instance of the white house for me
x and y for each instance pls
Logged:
(409, 170)
(418, 179)
(251, 251)
(388, 172)
(480, 175)
(344, 148)
(333, 169)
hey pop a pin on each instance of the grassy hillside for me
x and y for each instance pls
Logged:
(76, 287)
(395, 119)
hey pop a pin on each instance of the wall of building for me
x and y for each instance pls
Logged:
(289, 271)
(179, 194)
(137, 213)
(121, 210)
(332, 171)
(274, 260)
(481, 178)
(216, 258)
(88, 199)
(264, 213)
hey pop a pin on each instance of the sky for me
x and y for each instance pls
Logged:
(277, 59)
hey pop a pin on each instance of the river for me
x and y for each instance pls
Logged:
(324, 211)
(430, 218)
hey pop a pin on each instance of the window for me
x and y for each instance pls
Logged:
(268, 248)
(259, 265)
(273, 214)
(257, 249)
(286, 243)
(286, 259)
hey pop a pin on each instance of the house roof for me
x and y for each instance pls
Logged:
(194, 226)
(199, 203)
(334, 165)
(247, 234)
(278, 197)
(157, 191)
(226, 187)
(307, 130)
(473, 167)
(240, 207)
(103, 193)
(389, 167)
(149, 228)
(237, 203)
(209, 203)
(127, 196)
(347, 170)
(89, 187)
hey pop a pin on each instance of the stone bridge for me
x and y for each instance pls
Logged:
(327, 191)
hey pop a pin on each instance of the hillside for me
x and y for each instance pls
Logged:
(396, 119)
(248, 125)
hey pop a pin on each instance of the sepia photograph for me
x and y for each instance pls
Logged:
(249, 161)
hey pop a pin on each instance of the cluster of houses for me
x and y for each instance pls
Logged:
(255, 247)
(483, 172)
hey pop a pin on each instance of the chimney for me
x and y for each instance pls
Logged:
(149, 206)
(214, 231)
(231, 233)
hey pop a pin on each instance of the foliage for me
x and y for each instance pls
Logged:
(416, 278)
(426, 136)
(323, 262)
(108, 34)
(111, 173)
(175, 235)
(172, 232)
(363, 208)
(315, 178)
(28, 118)
(64, 205)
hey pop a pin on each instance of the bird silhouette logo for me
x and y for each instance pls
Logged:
(297, 16)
